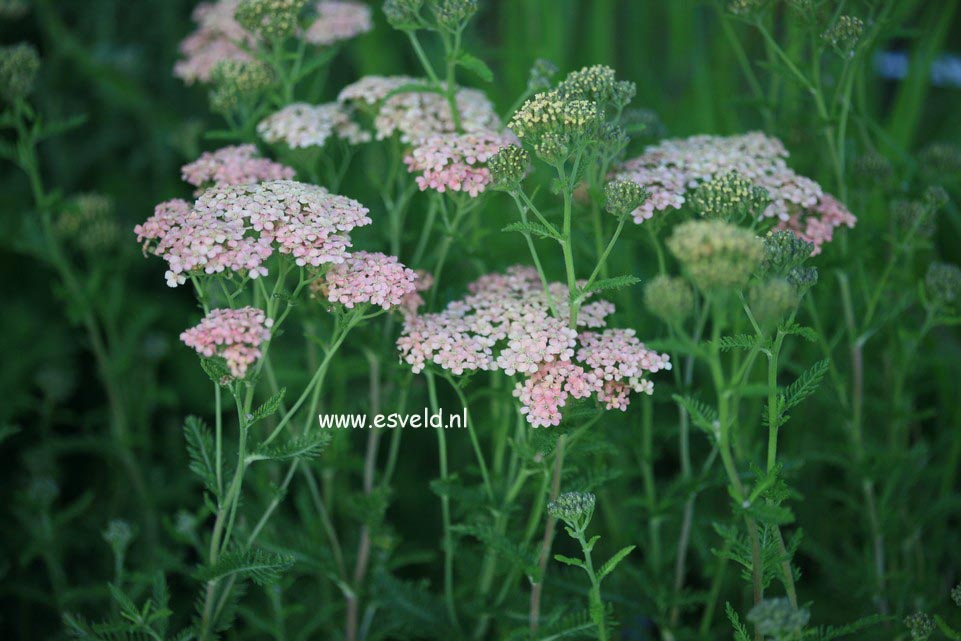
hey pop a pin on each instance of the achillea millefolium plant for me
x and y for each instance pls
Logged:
(694, 376)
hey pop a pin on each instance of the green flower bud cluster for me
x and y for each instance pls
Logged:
(942, 283)
(597, 84)
(270, 19)
(235, 82)
(621, 197)
(452, 15)
(403, 14)
(920, 625)
(941, 162)
(913, 217)
(771, 300)
(803, 278)
(118, 535)
(88, 223)
(777, 618)
(845, 33)
(745, 7)
(873, 169)
(784, 251)
(541, 74)
(573, 508)
(956, 595)
(18, 71)
(508, 167)
(670, 298)
(730, 197)
(716, 255)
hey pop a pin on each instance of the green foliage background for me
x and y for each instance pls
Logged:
(111, 61)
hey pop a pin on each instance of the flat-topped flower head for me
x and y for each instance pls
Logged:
(845, 33)
(300, 125)
(236, 335)
(505, 323)
(716, 255)
(218, 37)
(920, 625)
(233, 165)
(338, 20)
(416, 115)
(673, 168)
(456, 162)
(236, 228)
(943, 283)
(369, 278)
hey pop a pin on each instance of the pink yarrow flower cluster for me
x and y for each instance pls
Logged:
(505, 324)
(236, 228)
(455, 162)
(669, 169)
(372, 278)
(234, 165)
(415, 115)
(817, 225)
(218, 37)
(338, 20)
(301, 125)
(236, 335)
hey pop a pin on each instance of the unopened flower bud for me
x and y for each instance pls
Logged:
(621, 197)
(453, 14)
(508, 167)
(845, 33)
(670, 298)
(270, 19)
(574, 508)
(234, 82)
(18, 70)
(118, 535)
(541, 75)
(772, 300)
(403, 14)
(716, 254)
(777, 618)
(941, 162)
(943, 283)
(873, 169)
(920, 625)
(784, 251)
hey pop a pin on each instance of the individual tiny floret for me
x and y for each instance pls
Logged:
(372, 278)
(236, 335)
